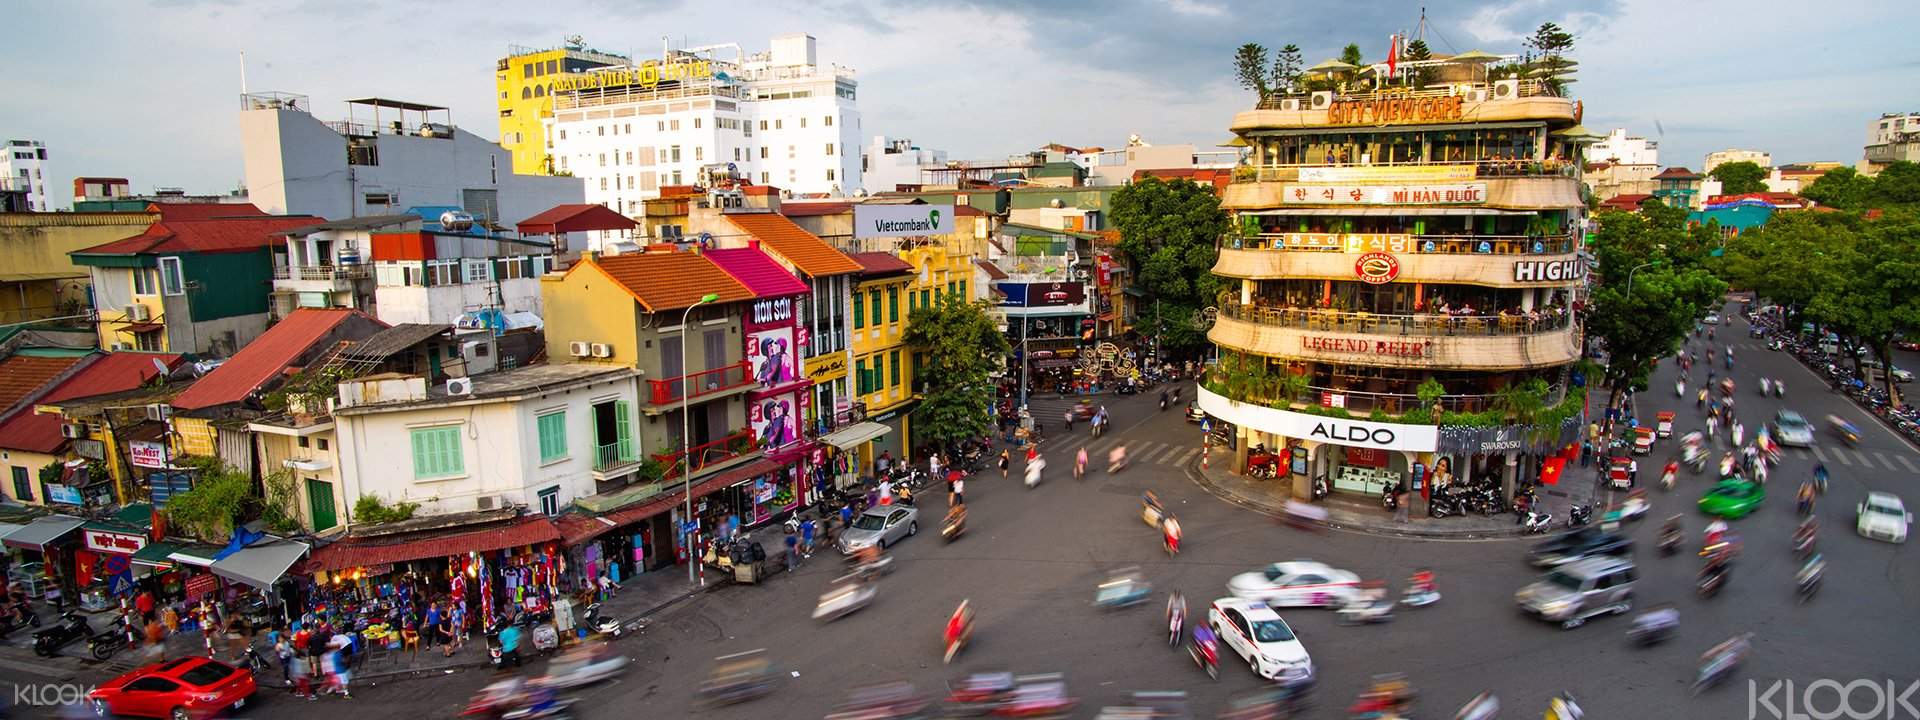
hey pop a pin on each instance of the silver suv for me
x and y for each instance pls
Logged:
(1580, 590)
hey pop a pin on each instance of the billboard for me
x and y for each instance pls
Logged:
(1042, 295)
(871, 221)
(772, 355)
(773, 420)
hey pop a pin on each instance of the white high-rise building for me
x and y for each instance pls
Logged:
(1620, 149)
(23, 165)
(1721, 157)
(888, 163)
(771, 118)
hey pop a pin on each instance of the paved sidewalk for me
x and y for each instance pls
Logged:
(1343, 513)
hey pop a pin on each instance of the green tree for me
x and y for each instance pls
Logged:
(1740, 178)
(221, 499)
(1873, 294)
(1843, 188)
(1287, 65)
(1417, 50)
(1351, 55)
(1803, 241)
(1168, 232)
(1552, 43)
(1250, 68)
(1650, 298)
(1897, 184)
(959, 347)
(372, 510)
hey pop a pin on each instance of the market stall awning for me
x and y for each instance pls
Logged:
(260, 565)
(155, 554)
(578, 529)
(853, 435)
(363, 552)
(195, 555)
(43, 531)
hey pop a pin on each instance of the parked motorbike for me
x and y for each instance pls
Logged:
(102, 645)
(47, 642)
(8, 624)
(1536, 522)
(1579, 515)
(595, 622)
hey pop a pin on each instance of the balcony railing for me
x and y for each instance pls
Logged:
(1528, 88)
(1429, 325)
(1360, 402)
(705, 382)
(708, 453)
(610, 456)
(1409, 244)
(1482, 169)
(322, 272)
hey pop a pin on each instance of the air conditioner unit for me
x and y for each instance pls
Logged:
(459, 386)
(138, 313)
(119, 347)
(577, 349)
(73, 431)
(1289, 103)
(1506, 89)
(159, 412)
(602, 350)
(1321, 100)
(1475, 95)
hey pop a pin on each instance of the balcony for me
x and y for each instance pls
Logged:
(1474, 102)
(326, 273)
(613, 459)
(703, 384)
(1357, 192)
(1406, 341)
(710, 454)
(1388, 172)
(1507, 263)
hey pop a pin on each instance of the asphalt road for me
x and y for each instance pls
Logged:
(1033, 557)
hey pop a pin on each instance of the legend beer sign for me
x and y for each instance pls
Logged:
(1437, 194)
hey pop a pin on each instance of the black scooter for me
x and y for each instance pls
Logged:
(8, 624)
(47, 642)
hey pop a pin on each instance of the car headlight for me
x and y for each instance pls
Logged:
(1556, 607)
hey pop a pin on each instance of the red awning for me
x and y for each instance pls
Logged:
(362, 552)
(575, 218)
(578, 529)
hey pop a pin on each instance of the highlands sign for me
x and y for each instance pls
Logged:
(871, 221)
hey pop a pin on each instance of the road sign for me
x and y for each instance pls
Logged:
(689, 527)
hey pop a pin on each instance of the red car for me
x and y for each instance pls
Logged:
(176, 689)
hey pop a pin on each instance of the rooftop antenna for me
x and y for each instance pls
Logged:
(243, 72)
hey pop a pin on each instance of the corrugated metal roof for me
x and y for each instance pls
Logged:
(385, 343)
(758, 271)
(204, 236)
(261, 360)
(575, 217)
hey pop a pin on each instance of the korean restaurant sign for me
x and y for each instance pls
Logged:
(1350, 242)
(1386, 173)
(648, 74)
(1363, 346)
(1392, 110)
(1438, 194)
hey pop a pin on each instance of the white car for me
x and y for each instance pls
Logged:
(1299, 583)
(1791, 429)
(1257, 634)
(1712, 319)
(1883, 517)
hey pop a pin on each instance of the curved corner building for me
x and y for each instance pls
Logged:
(1385, 238)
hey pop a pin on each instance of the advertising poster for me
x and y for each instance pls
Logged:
(772, 355)
(773, 420)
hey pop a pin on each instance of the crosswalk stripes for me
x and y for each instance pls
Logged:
(1162, 456)
(1187, 457)
(1841, 455)
(1822, 457)
(1884, 460)
(1903, 461)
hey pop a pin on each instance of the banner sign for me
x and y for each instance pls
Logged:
(1549, 270)
(1035, 295)
(112, 542)
(870, 221)
(1349, 242)
(1450, 194)
(147, 454)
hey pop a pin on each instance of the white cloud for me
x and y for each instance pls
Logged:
(1195, 7)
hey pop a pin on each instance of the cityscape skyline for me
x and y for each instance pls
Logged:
(1165, 69)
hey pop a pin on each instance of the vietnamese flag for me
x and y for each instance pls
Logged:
(1550, 470)
(1393, 54)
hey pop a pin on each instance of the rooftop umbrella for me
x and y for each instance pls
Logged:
(1332, 65)
(1474, 56)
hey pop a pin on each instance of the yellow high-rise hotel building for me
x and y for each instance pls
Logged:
(524, 80)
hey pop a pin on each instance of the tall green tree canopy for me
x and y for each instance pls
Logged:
(1652, 295)
(1842, 187)
(1250, 68)
(1168, 232)
(958, 348)
(1287, 65)
(1351, 55)
(1872, 291)
(1739, 178)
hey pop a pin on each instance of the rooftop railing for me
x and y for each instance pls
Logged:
(1528, 88)
(1425, 325)
(1482, 169)
(1463, 244)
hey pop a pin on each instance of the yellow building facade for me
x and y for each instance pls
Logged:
(524, 82)
(39, 280)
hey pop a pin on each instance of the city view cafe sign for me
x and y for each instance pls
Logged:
(646, 75)
(1389, 110)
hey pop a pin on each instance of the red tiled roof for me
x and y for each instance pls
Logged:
(810, 209)
(575, 217)
(1676, 173)
(111, 373)
(23, 375)
(203, 211)
(759, 190)
(808, 253)
(356, 552)
(760, 273)
(260, 361)
(204, 236)
(1629, 202)
(993, 271)
(964, 210)
(668, 280)
(876, 264)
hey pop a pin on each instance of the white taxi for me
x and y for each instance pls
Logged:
(1883, 517)
(1297, 583)
(1256, 633)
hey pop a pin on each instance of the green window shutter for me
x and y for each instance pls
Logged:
(893, 304)
(874, 298)
(553, 436)
(859, 313)
(623, 427)
(893, 371)
(436, 453)
(860, 376)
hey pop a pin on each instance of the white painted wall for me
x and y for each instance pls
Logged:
(445, 303)
(891, 162)
(1620, 149)
(500, 450)
(296, 164)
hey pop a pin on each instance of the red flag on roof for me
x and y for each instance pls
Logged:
(1393, 54)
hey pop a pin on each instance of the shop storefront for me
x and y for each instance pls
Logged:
(1366, 471)
(45, 554)
(844, 454)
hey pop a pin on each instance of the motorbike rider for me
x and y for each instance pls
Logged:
(1680, 388)
(1563, 707)
(1807, 531)
(1820, 477)
(1080, 463)
(1116, 459)
(1805, 498)
(1176, 613)
(1163, 399)
(1716, 531)
(1204, 639)
(1702, 398)
(1808, 577)
(1422, 581)
(1170, 533)
(1731, 652)
(958, 625)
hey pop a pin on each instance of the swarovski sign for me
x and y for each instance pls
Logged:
(1549, 270)
(1319, 428)
(901, 220)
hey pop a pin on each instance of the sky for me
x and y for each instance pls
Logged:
(150, 90)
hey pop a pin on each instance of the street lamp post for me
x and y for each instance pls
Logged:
(1636, 269)
(686, 438)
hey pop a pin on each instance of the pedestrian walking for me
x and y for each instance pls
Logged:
(806, 538)
(301, 678)
(1005, 460)
(793, 551)
(283, 654)
(1400, 505)
(956, 493)
(156, 635)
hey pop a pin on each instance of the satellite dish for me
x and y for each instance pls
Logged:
(160, 367)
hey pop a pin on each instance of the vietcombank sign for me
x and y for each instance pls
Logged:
(901, 220)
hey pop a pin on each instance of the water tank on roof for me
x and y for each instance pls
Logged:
(455, 221)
